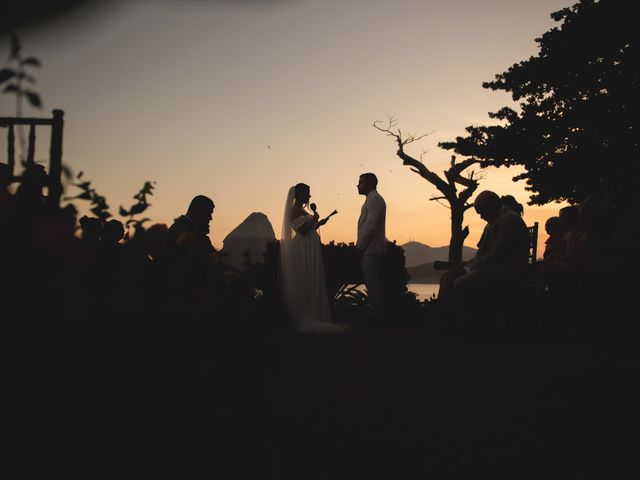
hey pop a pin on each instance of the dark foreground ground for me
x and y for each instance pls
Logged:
(174, 398)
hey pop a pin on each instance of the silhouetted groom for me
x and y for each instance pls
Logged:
(372, 242)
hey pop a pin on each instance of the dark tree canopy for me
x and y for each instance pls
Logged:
(578, 107)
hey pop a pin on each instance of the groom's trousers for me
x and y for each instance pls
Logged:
(372, 270)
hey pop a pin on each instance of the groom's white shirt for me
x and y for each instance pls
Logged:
(371, 225)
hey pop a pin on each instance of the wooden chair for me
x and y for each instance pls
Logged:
(56, 123)
(533, 250)
(533, 243)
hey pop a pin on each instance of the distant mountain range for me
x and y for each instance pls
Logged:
(416, 253)
(419, 260)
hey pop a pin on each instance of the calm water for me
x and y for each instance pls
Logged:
(423, 290)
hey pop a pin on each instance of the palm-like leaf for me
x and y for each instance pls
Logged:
(34, 98)
(138, 208)
(31, 61)
(6, 74)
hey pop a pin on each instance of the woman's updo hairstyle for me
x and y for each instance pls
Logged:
(300, 189)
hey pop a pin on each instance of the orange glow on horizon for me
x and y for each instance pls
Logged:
(240, 102)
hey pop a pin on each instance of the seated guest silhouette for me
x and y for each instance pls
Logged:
(5, 182)
(500, 262)
(513, 204)
(6, 197)
(557, 267)
(30, 200)
(112, 233)
(91, 230)
(186, 255)
(553, 227)
(109, 259)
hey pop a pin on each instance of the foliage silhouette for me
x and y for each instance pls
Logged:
(342, 268)
(15, 76)
(18, 75)
(99, 206)
(137, 208)
(578, 109)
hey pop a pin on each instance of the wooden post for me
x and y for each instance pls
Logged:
(11, 151)
(534, 243)
(31, 151)
(55, 159)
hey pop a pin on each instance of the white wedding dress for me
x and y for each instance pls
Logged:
(302, 274)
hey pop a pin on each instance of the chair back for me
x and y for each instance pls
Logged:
(533, 243)
(54, 173)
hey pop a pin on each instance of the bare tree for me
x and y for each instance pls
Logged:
(456, 200)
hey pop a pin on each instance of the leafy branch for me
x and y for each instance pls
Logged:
(16, 78)
(99, 205)
(100, 208)
(137, 208)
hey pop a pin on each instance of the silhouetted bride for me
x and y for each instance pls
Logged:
(302, 271)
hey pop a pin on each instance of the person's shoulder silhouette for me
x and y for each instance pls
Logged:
(30, 200)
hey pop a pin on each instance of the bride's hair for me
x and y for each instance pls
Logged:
(300, 189)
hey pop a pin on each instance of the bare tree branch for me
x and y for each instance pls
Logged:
(456, 201)
(418, 167)
(391, 123)
(481, 174)
(425, 173)
(466, 182)
(439, 201)
(457, 168)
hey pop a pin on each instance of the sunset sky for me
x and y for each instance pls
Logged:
(240, 100)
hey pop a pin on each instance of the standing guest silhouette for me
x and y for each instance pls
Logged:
(186, 255)
(371, 243)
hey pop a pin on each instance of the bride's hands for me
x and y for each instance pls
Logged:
(325, 219)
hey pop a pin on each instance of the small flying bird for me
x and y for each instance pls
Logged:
(268, 146)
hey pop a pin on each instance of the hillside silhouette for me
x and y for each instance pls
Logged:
(416, 253)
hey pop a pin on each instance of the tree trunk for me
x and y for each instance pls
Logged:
(457, 236)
